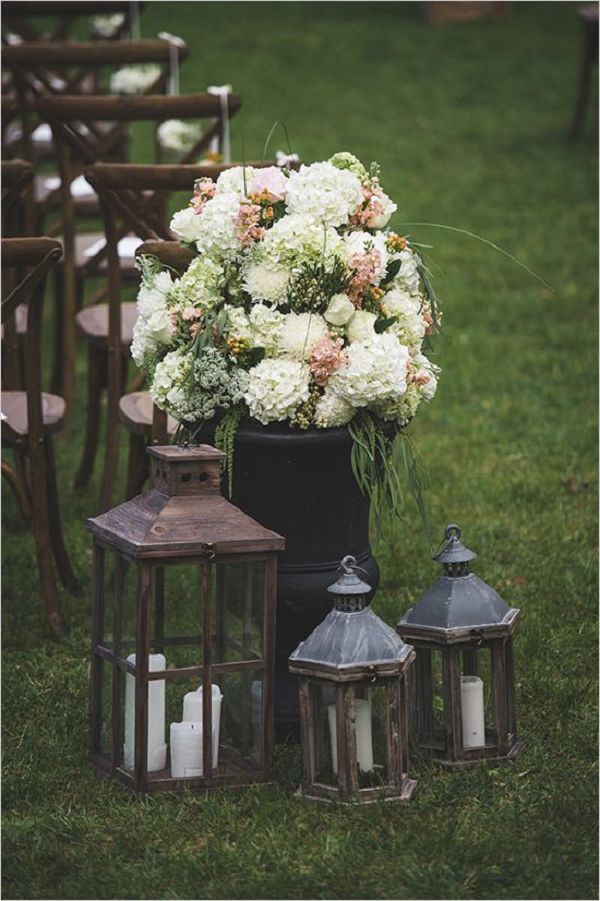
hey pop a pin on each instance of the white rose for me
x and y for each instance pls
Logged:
(361, 327)
(299, 334)
(186, 225)
(389, 207)
(340, 309)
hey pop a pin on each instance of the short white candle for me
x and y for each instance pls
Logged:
(157, 749)
(186, 750)
(473, 719)
(364, 740)
(192, 713)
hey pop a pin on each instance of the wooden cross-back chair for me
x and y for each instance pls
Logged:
(31, 417)
(130, 196)
(66, 115)
(17, 176)
(36, 66)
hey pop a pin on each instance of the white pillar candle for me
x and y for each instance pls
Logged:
(186, 750)
(471, 704)
(364, 740)
(192, 713)
(157, 749)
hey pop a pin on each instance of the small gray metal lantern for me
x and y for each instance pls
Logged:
(353, 711)
(464, 698)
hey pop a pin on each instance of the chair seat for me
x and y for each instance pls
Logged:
(14, 412)
(136, 411)
(84, 241)
(92, 323)
(85, 204)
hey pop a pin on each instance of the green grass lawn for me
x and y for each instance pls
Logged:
(468, 123)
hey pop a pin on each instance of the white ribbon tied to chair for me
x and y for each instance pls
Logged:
(175, 43)
(223, 91)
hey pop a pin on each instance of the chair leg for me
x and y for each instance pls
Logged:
(114, 391)
(19, 489)
(92, 417)
(56, 382)
(42, 537)
(136, 467)
(585, 78)
(61, 556)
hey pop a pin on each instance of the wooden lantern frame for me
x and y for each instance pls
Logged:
(184, 521)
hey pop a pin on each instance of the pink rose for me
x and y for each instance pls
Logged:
(270, 182)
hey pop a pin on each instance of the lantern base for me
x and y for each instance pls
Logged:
(365, 796)
(497, 760)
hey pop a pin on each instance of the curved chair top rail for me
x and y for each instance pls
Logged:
(159, 177)
(24, 8)
(171, 253)
(28, 251)
(15, 173)
(123, 109)
(89, 54)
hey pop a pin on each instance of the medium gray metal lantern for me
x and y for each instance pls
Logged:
(464, 680)
(183, 633)
(353, 712)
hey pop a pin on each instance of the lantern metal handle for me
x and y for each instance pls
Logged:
(348, 566)
(452, 530)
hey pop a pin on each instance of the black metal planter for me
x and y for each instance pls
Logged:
(300, 484)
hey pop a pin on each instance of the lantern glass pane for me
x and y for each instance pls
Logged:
(325, 733)
(437, 732)
(176, 614)
(238, 611)
(120, 603)
(372, 749)
(241, 718)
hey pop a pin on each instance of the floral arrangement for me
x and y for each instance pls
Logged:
(136, 79)
(108, 25)
(300, 307)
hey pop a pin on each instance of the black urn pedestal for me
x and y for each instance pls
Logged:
(300, 483)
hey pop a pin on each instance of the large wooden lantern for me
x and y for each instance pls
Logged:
(183, 632)
(353, 716)
(464, 679)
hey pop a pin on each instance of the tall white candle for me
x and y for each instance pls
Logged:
(157, 749)
(364, 739)
(192, 713)
(473, 718)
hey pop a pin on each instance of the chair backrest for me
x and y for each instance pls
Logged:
(17, 176)
(52, 68)
(38, 255)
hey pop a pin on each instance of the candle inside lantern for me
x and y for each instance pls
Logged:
(192, 713)
(157, 749)
(186, 750)
(472, 711)
(364, 739)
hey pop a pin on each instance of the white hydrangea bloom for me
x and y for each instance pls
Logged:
(375, 370)
(410, 326)
(152, 297)
(170, 375)
(362, 242)
(177, 135)
(299, 333)
(135, 79)
(275, 388)
(266, 281)
(265, 326)
(408, 276)
(186, 225)
(361, 327)
(239, 323)
(325, 193)
(296, 238)
(232, 181)
(201, 285)
(216, 230)
(332, 411)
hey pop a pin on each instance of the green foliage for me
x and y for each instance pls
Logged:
(469, 124)
(225, 433)
(313, 284)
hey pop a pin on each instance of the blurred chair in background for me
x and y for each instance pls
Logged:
(588, 16)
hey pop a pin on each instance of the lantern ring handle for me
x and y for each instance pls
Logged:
(348, 565)
(209, 550)
(452, 530)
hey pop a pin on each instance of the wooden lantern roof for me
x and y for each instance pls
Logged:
(183, 514)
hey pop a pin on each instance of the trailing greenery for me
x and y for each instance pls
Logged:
(469, 122)
(225, 433)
